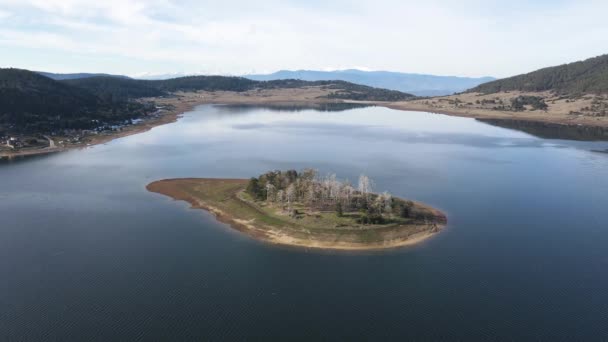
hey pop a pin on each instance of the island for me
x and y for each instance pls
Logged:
(306, 210)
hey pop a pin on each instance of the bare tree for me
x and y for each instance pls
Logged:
(334, 187)
(270, 192)
(348, 193)
(290, 194)
(387, 200)
(280, 196)
(378, 204)
(311, 194)
(322, 192)
(365, 185)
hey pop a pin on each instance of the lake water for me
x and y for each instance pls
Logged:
(86, 253)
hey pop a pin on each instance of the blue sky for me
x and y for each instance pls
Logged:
(135, 37)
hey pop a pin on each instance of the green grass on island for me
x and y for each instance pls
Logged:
(303, 209)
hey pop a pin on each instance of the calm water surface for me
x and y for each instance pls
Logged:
(87, 254)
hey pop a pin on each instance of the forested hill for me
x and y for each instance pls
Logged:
(115, 89)
(341, 90)
(32, 102)
(209, 83)
(121, 89)
(588, 76)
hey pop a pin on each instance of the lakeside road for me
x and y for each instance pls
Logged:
(182, 102)
(51, 141)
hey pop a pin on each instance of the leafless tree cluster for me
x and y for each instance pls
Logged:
(326, 193)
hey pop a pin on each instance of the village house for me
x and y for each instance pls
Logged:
(13, 142)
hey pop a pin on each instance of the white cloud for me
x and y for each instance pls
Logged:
(471, 37)
(4, 14)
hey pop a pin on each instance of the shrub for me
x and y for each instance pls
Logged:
(339, 210)
(519, 103)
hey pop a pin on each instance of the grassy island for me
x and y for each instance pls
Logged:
(303, 209)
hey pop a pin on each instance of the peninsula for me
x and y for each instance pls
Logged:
(306, 210)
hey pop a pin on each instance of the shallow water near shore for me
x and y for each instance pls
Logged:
(86, 253)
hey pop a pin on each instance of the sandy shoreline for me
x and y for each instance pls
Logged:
(282, 237)
(498, 115)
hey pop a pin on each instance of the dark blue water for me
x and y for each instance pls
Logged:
(87, 254)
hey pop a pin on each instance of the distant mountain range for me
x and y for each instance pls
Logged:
(417, 84)
(588, 76)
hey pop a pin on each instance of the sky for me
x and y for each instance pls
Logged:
(235, 37)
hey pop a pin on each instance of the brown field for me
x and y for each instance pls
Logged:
(558, 112)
